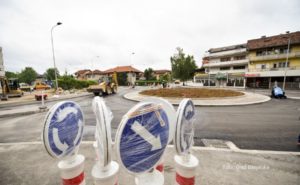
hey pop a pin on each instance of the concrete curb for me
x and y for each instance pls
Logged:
(32, 102)
(233, 148)
(258, 98)
(23, 113)
(294, 98)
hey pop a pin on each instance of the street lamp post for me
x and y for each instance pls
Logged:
(286, 62)
(57, 24)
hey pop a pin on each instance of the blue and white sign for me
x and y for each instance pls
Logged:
(63, 129)
(142, 137)
(184, 132)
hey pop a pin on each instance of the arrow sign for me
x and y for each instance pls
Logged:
(146, 135)
(142, 137)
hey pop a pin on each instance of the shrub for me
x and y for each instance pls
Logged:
(67, 83)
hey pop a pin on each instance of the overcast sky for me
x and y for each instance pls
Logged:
(101, 34)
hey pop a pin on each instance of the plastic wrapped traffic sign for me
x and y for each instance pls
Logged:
(170, 111)
(142, 137)
(63, 129)
(103, 131)
(184, 131)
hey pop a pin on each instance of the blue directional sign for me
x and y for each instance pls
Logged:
(142, 137)
(184, 132)
(63, 129)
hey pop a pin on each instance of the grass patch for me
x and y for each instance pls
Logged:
(192, 93)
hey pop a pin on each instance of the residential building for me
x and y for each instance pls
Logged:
(2, 72)
(224, 66)
(94, 75)
(272, 58)
(161, 72)
(81, 74)
(132, 73)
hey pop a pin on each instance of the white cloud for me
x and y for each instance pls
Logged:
(114, 29)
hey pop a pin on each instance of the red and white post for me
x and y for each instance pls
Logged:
(186, 169)
(72, 170)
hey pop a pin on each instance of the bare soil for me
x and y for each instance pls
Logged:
(192, 93)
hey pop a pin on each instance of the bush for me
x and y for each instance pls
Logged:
(67, 83)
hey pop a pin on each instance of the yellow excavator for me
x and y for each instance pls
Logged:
(10, 88)
(106, 85)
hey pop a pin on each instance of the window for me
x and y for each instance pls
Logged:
(240, 57)
(224, 68)
(225, 59)
(282, 64)
(263, 66)
(275, 65)
(239, 67)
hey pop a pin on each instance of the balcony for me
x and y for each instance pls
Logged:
(274, 69)
(227, 63)
(274, 56)
(226, 53)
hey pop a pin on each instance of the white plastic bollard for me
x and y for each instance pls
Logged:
(72, 171)
(160, 166)
(108, 176)
(150, 178)
(186, 167)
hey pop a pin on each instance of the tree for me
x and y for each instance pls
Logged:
(28, 75)
(50, 73)
(122, 78)
(165, 77)
(10, 74)
(183, 67)
(148, 74)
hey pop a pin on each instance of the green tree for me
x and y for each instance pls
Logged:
(50, 73)
(10, 74)
(27, 75)
(166, 77)
(122, 78)
(148, 74)
(183, 67)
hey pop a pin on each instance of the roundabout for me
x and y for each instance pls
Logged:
(200, 96)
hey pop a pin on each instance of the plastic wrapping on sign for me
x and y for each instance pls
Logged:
(63, 129)
(142, 137)
(103, 131)
(184, 133)
(170, 111)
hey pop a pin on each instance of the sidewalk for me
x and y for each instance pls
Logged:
(247, 99)
(29, 163)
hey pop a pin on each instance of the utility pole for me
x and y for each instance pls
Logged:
(286, 62)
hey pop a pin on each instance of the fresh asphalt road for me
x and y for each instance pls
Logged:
(273, 125)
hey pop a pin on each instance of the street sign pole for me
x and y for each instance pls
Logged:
(105, 171)
(62, 134)
(185, 163)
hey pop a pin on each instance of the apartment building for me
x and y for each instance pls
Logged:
(224, 66)
(272, 58)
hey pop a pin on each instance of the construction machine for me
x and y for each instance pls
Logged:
(10, 88)
(106, 85)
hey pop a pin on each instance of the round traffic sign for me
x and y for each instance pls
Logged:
(63, 129)
(103, 131)
(170, 111)
(184, 131)
(142, 137)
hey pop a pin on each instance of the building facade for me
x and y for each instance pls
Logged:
(224, 66)
(161, 72)
(271, 59)
(132, 73)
